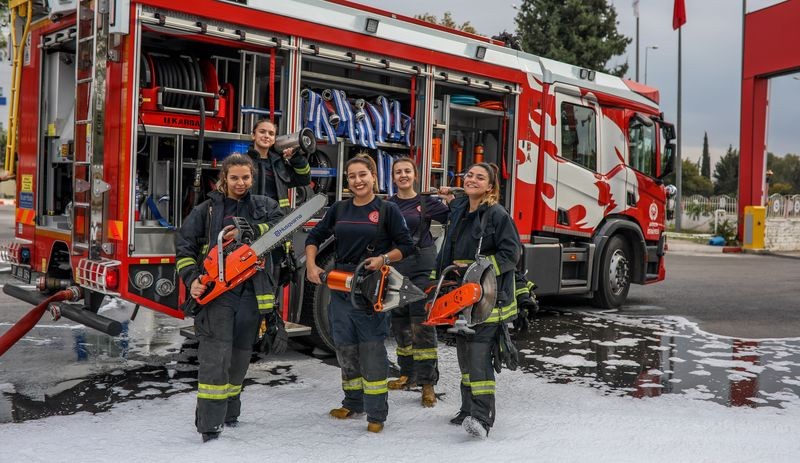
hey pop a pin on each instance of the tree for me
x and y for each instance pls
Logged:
(692, 182)
(580, 32)
(726, 173)
(705, 166)
(785, 173)
(4, 18)
(447, 21)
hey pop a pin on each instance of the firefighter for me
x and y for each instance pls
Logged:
(471, 217)
(527, 305)
(276, 172)
(416, 343)
(226, 327)
(362, 235)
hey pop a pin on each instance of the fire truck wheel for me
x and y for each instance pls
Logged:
(615, 275)
(315, 307)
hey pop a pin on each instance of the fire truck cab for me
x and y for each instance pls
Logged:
(121, 104)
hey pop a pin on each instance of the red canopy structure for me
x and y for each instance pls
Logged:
(770, 41)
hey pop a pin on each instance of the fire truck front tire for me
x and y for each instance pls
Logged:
(315, 307)
(615, 274)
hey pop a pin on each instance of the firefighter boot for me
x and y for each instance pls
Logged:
(428, 396)
(400, 383)
(475, 427)
(343, 413)
(374, 427)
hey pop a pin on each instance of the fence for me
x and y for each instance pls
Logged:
(785, 207)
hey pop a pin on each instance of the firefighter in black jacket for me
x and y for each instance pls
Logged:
(276, 172)
(502, 246)
(359, 334)
(227, 327)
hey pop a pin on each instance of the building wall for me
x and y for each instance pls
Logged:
(6, 188)
(782, 234)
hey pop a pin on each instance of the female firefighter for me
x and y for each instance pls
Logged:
(471, 217)
(226, 327)
(416, 343)
(276, 172)
(359, 334)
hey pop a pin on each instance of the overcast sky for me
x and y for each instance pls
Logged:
(712, 61)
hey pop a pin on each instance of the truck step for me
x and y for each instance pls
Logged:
(567, 283)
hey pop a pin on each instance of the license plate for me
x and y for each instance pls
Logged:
(21, 273)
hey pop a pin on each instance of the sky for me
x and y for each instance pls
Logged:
(711, 70)
(711, 51)
(572, 418)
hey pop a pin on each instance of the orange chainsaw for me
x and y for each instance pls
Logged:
(380, 290)
(232, 262)
(463, 304)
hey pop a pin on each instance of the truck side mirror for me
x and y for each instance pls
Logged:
(669, 160)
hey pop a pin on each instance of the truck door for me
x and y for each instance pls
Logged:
(577, 137)
(642, 157)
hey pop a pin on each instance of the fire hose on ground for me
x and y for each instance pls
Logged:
(58, 306)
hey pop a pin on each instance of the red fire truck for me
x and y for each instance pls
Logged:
(114, 100)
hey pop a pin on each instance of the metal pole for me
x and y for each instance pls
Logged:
(679, 166)
(637, 53)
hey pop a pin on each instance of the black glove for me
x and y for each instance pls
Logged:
(521, 323)
(275, 339)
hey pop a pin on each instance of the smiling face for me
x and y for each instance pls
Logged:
(404, 175)
(264, 135)
(238, 180)
(477, 182)
(360, 180)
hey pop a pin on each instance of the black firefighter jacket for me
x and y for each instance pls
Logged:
(199, 233)
(294, 173)
(500, 244)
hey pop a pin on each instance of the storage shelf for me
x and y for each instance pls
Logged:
(209, 134)
(477, 110)
(324, 141)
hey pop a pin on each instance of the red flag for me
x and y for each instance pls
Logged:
(678, 14)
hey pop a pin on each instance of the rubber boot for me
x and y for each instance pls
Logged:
(374, 427)
(399, 383)
(428, 396)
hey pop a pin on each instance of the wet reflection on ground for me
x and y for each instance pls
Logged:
(650, 356)
(62, 369)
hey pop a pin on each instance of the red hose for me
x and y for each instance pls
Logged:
(26, 323)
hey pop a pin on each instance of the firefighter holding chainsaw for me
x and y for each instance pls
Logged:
(227, 326)
(371, 232)
(479, 226)
(416, 343)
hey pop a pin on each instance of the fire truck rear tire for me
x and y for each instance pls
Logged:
(615, 274)
(315, 307)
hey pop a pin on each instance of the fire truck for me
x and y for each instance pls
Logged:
(118, 105)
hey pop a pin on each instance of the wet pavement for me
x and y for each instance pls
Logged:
(61, 368)
(651, 356)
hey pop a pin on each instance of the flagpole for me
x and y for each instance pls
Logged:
(679, 166)
(637, 48)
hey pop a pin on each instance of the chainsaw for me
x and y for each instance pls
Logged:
(380, 290)
(465, 303)
(234, 261)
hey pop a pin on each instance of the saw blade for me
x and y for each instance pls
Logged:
(289, 224)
